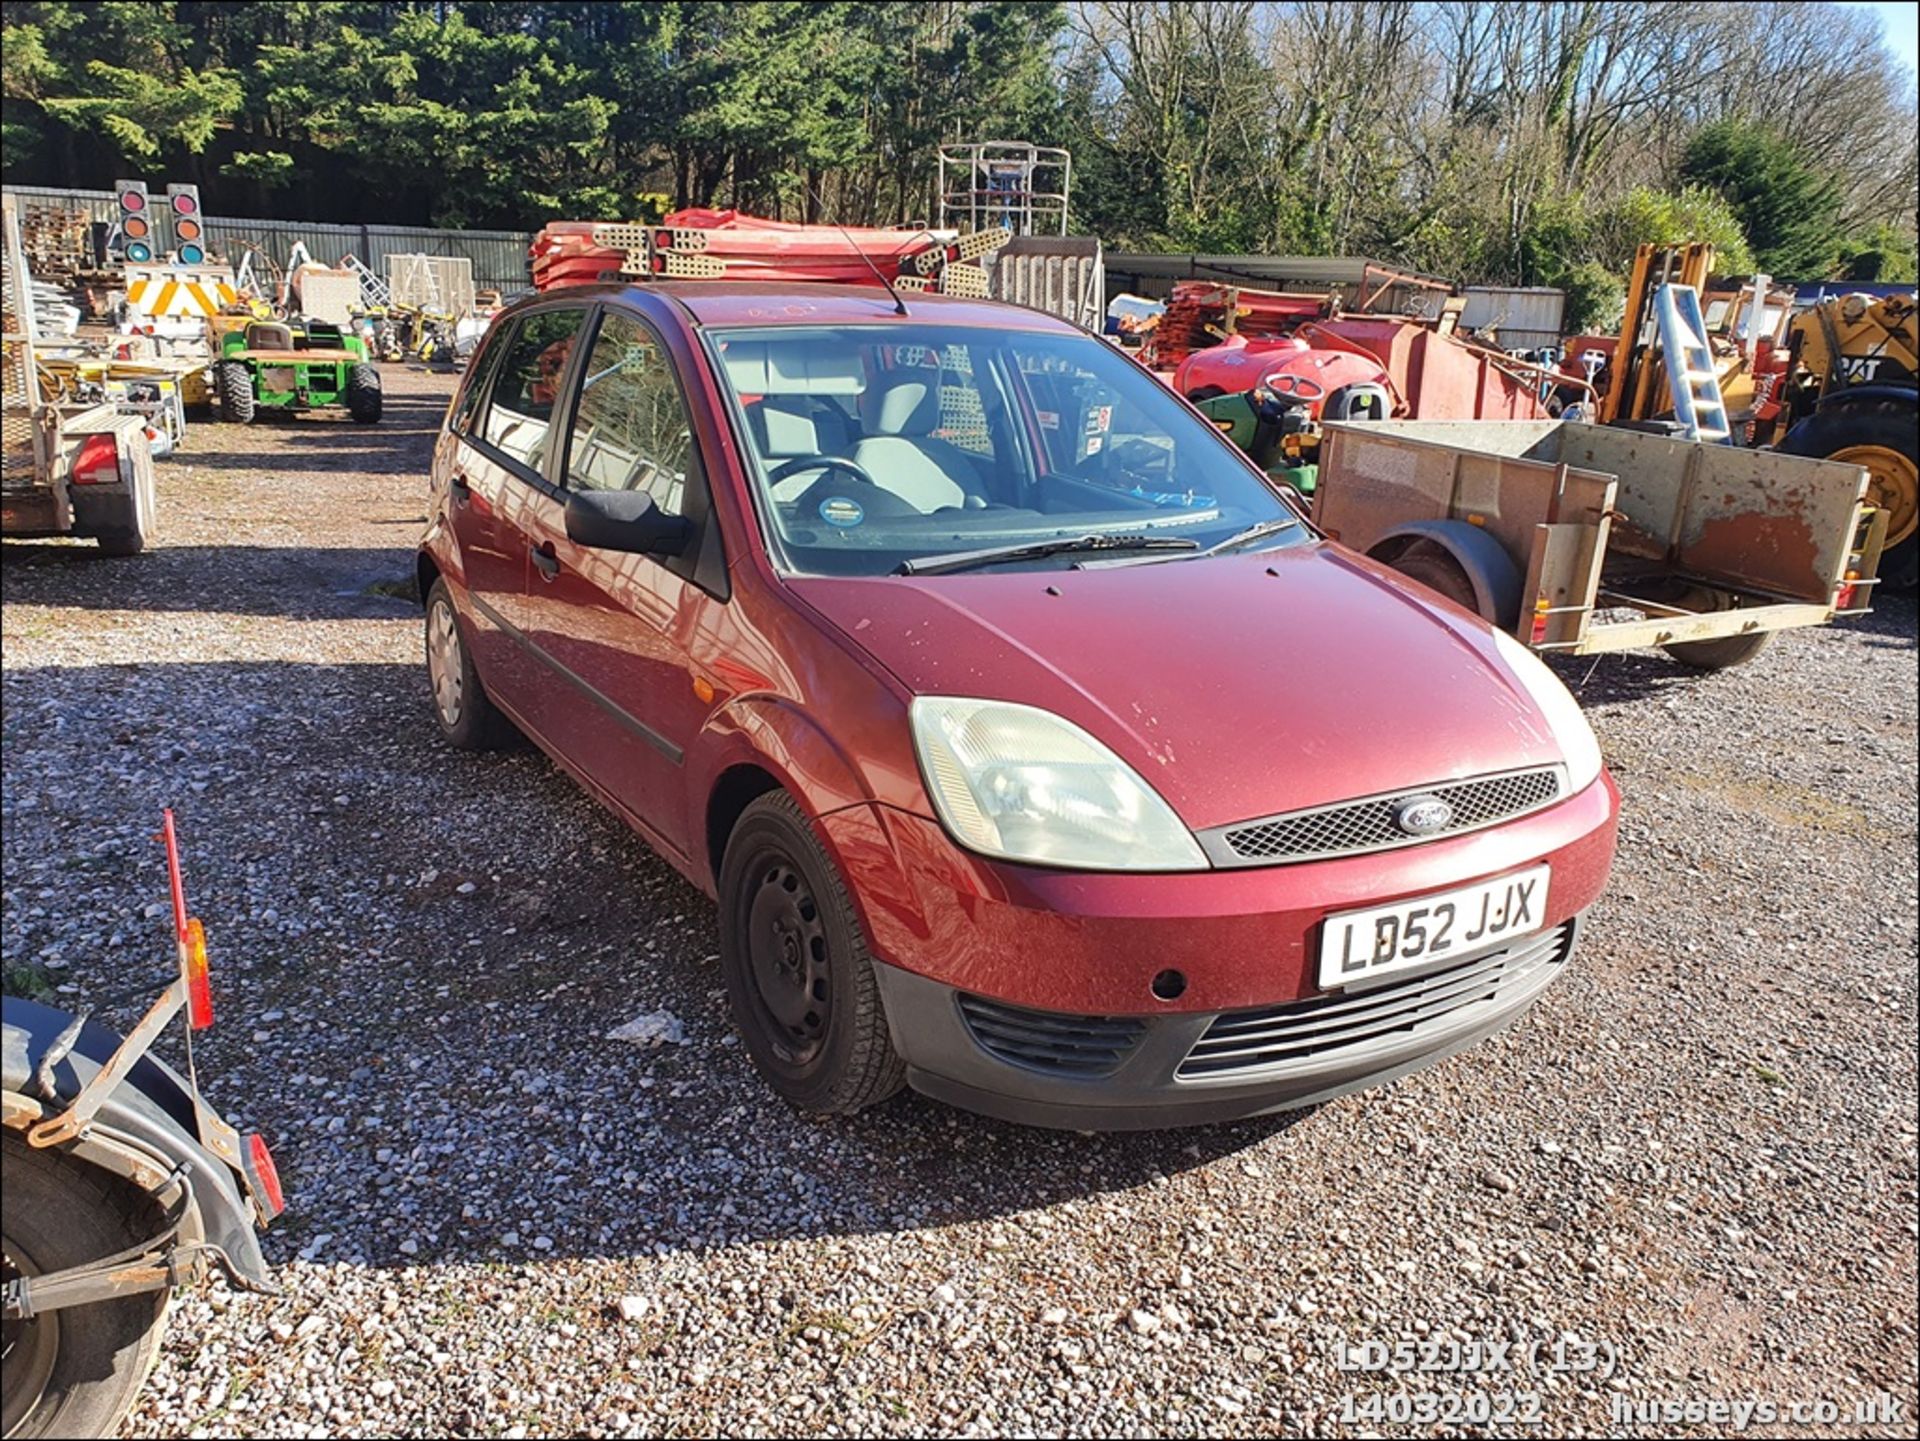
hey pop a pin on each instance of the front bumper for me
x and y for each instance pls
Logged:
(1095, 1073)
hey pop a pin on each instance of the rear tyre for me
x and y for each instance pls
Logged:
(468, 719)
(1880, 436)
(75, 1371)
(363, 393)
(234, 382)
(800, 980)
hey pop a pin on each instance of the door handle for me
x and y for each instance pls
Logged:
(462, 492)
(543, 557)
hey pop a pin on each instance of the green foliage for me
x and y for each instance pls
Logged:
(1788, 205)
(1644, 216)
(1882, 254)
(270, 168)
(1596, 299)
(1494, 142)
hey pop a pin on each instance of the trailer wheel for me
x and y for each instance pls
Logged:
(363, 393)
(134, 537)
(76, 1371)
(235, 383)
(1439, 572)
(1723, 652)
(1878, 436)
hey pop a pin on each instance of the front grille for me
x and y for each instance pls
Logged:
(1047, 1041)
(1356, 827)
(1278, 1038)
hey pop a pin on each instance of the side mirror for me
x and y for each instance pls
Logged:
(625, 520)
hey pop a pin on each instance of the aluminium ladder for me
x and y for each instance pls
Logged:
(1694, 383)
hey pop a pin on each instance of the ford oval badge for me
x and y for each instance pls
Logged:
(1422, 815)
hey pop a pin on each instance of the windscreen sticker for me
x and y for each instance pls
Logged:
(1099, 418)
(1094, 442)
(840, 511)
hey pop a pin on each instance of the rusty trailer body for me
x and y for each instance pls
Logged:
(1584, 539)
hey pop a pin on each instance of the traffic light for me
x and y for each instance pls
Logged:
(136, 219)
(189, 226)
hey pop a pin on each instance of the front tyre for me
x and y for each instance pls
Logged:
(75, 1371)
(800, 980)
(233, 380)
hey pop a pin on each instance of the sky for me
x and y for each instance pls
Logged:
(1899, 20)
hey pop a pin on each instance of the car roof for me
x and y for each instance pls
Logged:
(790, 302)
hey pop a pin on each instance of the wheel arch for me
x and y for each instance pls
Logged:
(1495, 579)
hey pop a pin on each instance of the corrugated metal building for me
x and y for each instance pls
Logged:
(1523, 316)
(1355, 277)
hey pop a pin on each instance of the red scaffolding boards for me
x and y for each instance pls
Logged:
(701, 244)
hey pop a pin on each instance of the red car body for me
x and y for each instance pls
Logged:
(1241, 686)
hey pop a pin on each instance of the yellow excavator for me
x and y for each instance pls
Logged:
(1834, 381)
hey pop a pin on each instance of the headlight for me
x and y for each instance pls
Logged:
(1023, 784)
(1578, 748)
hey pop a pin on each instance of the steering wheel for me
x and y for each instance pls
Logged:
(818, 462)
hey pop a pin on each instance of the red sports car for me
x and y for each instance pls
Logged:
(1038, 752)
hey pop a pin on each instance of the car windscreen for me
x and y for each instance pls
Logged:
(870, 446)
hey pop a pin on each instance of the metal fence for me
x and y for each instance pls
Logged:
(499, 256)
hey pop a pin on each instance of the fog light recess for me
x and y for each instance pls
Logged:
(1169, 985)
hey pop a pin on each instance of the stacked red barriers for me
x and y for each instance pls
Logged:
(712, 244)
(1202, 313)
(565, 253)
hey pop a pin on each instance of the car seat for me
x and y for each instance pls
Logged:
(787, 426)
(900, 452)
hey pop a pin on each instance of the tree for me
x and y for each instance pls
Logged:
(1788, 206)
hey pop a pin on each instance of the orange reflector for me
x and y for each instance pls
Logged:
(1539, 620)
(264, 1178)
(193, 962)
(703, 688)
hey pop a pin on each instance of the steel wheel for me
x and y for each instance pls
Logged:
(1891, 485)
(444, 663)
(27, 1350)
(787, 944)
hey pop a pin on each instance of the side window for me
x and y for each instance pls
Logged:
(520, 409)
(478, 373)
(631, 430)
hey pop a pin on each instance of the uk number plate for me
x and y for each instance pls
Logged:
(1358, 947)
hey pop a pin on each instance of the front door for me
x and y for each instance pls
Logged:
(617, 629)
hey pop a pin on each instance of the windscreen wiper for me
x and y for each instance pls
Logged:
(1233, 542)
(1033, 550)
(1252, 533)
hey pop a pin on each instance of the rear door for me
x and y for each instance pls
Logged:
(617, 630)
(500, 453)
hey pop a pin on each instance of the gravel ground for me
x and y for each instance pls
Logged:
(1697, 1153)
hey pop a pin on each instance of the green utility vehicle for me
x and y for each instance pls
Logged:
(1261, 431)
(297, 365)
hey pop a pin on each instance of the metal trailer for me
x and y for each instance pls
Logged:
(1584, 539)
(85, 471)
